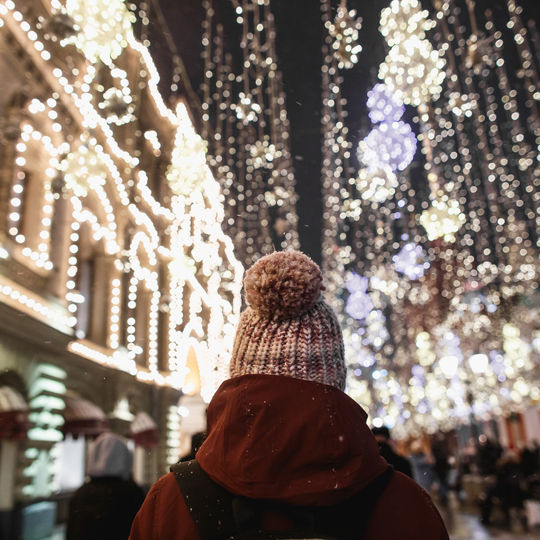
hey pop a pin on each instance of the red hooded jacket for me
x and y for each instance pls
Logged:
(294, 441)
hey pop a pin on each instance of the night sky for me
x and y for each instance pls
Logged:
(299, 39)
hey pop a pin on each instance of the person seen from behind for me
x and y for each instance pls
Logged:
(288, 453)
(422, 468)
(400, 463)
(104, 507)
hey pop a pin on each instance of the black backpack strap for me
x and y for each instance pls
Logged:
(218, 513)
(208, 503)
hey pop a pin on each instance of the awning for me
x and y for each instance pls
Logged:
(13, 414)
(144, 430)
(81, 417)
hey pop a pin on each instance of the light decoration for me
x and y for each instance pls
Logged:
(443, 220)
(359, 303)
(99, 202)
(403, 19)
(413, 70)
(83, 169)
(352, 208)
(384, 105)
(344, 31)
(246, 109)
(479, 153)
(462, 104)
(152, 137)
(449, 352)
(187, 170)
(103, 28)
(389, 146)
(376, 332)
(118, 106)
(239, 108)
(392, 144)
(32, 143)
(28, 302)
(411, 261)
(263, 154)
(277, 196)
(478, 363)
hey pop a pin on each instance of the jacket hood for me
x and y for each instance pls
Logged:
(289, 440)
(110, 456)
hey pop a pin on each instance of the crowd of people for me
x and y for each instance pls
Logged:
(286, 450)
(508, 478)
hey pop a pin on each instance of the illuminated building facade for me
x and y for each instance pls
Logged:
(118, 288)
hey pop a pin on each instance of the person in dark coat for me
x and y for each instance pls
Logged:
(282, 431)
(400, 463)
(104, 507)
(196, 442)
(508, 489)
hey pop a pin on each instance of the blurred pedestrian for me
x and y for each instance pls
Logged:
(287, 451)
(488, 454)
(400, 463)
(530, 459)
(441, 466)
(104, 507)
(509, 490)
(422, 468)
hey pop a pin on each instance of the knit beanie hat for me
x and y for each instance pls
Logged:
(287, 329)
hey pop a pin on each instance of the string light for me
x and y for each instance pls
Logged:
(96, 189)
(246, 124)
(403, 19)
(383, 105)
(344, 31)
(411, 261)
(103, 28)
(392, 145)
(413, 70)
(476, 223)
(442, 220)
(377, 185)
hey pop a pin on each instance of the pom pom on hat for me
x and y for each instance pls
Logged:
(287, 328)
(283, 285)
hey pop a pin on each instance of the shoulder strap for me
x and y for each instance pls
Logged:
(208, 503)
(218, 513)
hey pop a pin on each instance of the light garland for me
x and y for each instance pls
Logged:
(263, 154)
(246, 124)
(96, 191)
(103, 28)
(403, 19)
(246, 109)
(443, 220)
(391, 144)
(118, 106)
(344, 31)
(377, 185)
(411, 261)
(413, 71)
(83, 170)
(384, 105)
(188, 169)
